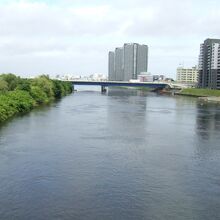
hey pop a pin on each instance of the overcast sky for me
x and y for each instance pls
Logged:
(68, 36)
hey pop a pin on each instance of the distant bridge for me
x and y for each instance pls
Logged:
(104, 84)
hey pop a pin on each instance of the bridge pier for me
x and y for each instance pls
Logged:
(103, 89)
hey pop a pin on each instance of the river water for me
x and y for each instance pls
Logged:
(125, 154)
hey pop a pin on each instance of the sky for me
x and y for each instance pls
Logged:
(74, 37)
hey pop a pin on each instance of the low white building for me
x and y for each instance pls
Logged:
(187, 75)
(98, 77)
(145, 77)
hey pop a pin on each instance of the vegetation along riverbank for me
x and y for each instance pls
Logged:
(200, 92)
(19, 95)
(208, 95)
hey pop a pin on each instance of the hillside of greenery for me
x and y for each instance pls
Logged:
(19, 95)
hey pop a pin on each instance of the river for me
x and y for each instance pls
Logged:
(126, 154)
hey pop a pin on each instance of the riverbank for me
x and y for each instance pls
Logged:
(200, 92)
(206, 95)
(19, 95)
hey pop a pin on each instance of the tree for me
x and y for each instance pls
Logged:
(11, 79)
(45, 84)
(3, 85)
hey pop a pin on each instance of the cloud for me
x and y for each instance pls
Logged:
(82, 33)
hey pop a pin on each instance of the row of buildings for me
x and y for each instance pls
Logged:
(131, 62)
(207, 75)
(92, 77)
(127, 62)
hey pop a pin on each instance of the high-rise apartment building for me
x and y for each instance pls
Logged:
(187, 75)
(135, 60)
(119, 70)
(129, 61)
(130, 51)
(142, 59)
(209, 64)
(111, 66)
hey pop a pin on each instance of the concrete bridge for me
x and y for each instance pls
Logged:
(104, 84)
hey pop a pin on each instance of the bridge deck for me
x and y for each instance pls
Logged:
(121, 83)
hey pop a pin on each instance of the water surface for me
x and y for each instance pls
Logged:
(126, 154)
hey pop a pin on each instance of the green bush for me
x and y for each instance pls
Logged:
(3, 85)
(11, 79)
(45, 84)
(19, 95)
(38, 95)
(24, 84)
(15, 102)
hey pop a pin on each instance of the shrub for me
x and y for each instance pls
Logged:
(21, 95)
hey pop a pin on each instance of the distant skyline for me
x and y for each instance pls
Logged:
(64, 36)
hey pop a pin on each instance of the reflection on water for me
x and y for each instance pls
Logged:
(208, 119)
(126, 154)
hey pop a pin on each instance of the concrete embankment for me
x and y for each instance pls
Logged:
(210, 99)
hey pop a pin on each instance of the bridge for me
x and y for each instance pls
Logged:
(104, 84)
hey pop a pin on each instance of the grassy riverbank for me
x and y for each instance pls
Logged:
(200, 92)
(19, 95)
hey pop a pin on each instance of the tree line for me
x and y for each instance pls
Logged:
(18, 95)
